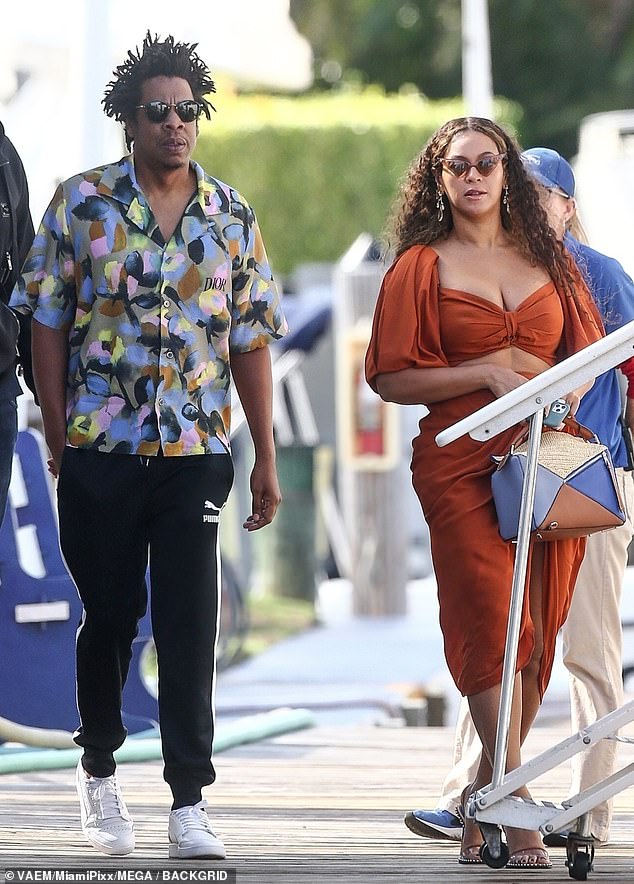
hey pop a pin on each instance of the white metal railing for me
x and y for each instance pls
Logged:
(551, 384)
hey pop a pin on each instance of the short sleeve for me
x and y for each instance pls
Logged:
(615, 298)
(46, 287)
(611, 288)
(257, 318)
(406, 324)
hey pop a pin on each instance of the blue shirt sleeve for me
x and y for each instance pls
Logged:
(610, 286)
(613, 292)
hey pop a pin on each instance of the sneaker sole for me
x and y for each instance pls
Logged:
(437, 833)
(110, 851)
(176, 852)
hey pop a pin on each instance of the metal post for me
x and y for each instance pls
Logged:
(517, 597)
(371, 498)
(101, 137)
(477, 89)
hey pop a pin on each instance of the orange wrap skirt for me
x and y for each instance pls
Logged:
(473, 565)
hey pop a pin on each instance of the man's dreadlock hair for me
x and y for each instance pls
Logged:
(156, 59)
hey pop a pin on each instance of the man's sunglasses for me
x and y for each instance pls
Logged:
(157, 111)
(484, 166)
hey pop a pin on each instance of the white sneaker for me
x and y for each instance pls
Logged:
(191, 835)
(105, 820)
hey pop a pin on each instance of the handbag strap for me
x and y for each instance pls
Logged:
(572, 423)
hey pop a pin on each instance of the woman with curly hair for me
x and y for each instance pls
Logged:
(480, 297)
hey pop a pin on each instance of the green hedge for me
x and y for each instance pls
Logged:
(320, 169)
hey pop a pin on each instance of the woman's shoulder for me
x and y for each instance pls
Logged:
(418, 256)
(412, 275)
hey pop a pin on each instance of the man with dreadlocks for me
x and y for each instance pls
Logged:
(150, 289)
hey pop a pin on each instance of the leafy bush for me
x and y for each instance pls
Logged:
(320, 169)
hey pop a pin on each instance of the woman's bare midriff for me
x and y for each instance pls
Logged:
(513, 358)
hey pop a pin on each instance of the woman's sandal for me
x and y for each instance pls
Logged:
(519, 859)
(469, 854)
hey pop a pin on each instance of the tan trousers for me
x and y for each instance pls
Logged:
(592, 652)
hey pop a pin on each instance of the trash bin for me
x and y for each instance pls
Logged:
(286, 560)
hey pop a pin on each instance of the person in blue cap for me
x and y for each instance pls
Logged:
(594, 664)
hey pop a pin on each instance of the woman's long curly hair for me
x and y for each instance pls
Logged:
(157, 58)
(415, 219)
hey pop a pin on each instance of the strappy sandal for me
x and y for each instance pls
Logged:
(518, 859)
(470, 854)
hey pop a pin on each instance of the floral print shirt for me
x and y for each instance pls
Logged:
(152, 323)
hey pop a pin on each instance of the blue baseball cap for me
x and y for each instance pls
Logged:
(550, 169)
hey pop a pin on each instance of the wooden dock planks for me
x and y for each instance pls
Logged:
(319, 805)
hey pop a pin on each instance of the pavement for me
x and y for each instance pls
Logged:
(359, 669)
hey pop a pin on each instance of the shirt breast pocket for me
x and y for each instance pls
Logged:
(127, 278)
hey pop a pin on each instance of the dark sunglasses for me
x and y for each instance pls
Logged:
(157, 111)
(459, 168)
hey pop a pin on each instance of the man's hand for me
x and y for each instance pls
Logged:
(50, 369)
(251, 373)
(265, 495)
(56, 448)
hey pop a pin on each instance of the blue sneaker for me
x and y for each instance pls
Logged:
(439, 824)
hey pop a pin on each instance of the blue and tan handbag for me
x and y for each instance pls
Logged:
(576, 491)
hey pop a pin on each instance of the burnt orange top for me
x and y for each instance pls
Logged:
(418, 324)
(535, 326)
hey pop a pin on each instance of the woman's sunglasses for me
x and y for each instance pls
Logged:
(459, 168)
(157, 111)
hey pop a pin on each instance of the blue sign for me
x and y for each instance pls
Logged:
(40, 610)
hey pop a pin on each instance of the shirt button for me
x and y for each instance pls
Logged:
(169, 354)
(166, 303)
(161, 401)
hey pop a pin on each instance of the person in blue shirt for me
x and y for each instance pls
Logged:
(594, 663)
